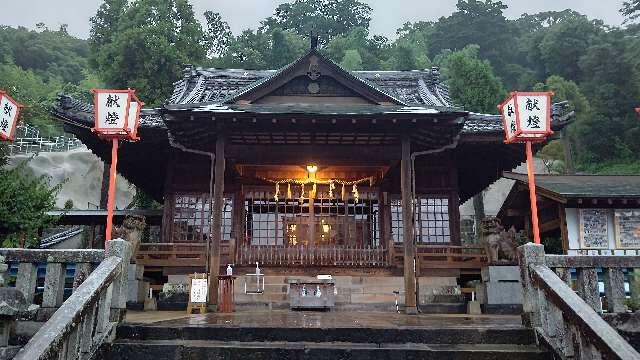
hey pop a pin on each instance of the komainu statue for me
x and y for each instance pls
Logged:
(499, 244)
(131, 230)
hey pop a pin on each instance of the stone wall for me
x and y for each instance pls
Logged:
(353, 292)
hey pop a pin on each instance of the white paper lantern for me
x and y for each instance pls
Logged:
(527, 116)
(117, 113)
(9, 112)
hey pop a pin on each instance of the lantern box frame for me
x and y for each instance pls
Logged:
(520, 135)
(125, 133)
(12, 134)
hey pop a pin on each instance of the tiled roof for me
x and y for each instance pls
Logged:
(414, 88)
(585, 186)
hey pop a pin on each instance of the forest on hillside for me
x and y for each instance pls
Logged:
(144, 44)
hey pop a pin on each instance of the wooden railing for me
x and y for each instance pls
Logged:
(445, 256)
(327, 255)
(567, 320)
(88, 317)
(176, 254)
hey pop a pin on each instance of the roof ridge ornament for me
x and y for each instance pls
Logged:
(314, 40)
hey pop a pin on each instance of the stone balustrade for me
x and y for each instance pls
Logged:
(54, 282)
(568, 320)
(88, 317)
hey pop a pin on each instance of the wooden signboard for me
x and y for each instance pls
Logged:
(627, 229)
(198, 293)
(593, 229)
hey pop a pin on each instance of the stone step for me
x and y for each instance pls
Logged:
(200, 349)
(514, 335)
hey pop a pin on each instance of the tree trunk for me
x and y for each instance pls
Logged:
(569, 167)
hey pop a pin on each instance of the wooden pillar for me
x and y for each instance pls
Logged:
(169, 201)
(312, 220)
(216, 222)
(238, 225)
(408, 234)
(384, 219)
(564, 233)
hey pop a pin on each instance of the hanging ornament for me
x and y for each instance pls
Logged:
(301, 193)
(313, 191)
(343, 196)
(332, 187)
(275, 197)
(289, 195)
(356, 195)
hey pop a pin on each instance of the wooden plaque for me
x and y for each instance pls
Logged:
(594, 233)
(627, 229)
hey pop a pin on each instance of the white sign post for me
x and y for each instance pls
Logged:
(9, 113)
(526, 119)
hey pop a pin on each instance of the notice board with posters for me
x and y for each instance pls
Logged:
(594, 233)
(627, 222)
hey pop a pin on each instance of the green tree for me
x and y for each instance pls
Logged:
(373, 51)
(564, 44)
(631, 10)
(480, 22)
(569, 91)
(285, 47)
(154, 39)
(472, 82)
(351, 60)
(327, 18)
(49, 54)
(35, 94)
(24, 203)
(217, 35)
(613, 92)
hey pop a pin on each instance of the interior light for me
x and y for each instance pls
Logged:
(312, 169)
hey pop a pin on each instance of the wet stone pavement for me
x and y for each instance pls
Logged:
(326, 320)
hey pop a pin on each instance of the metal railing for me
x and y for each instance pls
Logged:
(28, 140)
(568, 321)
(87, 319)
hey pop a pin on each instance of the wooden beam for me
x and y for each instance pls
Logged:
(408, 231)
(336, 155)
(550, 225)
(216, 222)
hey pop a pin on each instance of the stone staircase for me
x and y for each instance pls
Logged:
(220, 341)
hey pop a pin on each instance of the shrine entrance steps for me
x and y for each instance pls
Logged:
(333, 335)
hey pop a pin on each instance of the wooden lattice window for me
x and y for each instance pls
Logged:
(432, 224)
(287, 221)
(192, 218)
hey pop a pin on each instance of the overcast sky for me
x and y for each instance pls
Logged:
(388, 15)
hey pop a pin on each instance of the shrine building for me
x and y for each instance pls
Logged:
(314, 170)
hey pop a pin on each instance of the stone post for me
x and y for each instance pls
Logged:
(529, 255)
(121, 249)
(53, 294)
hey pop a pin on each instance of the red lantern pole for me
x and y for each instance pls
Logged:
(112, 190)
(532, 194)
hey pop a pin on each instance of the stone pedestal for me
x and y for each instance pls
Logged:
(500, 291)
(137, 291)
(473, 308)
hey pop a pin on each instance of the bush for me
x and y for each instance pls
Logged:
(24, 203)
